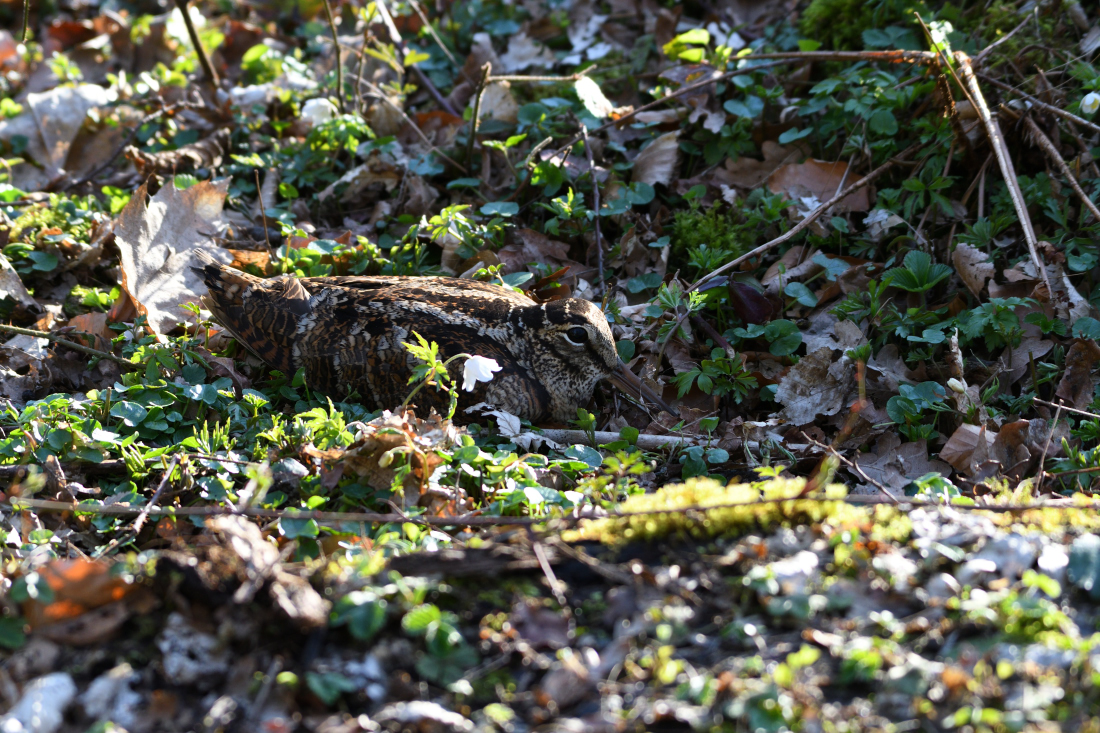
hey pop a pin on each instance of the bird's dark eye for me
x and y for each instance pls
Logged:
(577, 335)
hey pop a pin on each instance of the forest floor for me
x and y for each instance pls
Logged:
(854, 245)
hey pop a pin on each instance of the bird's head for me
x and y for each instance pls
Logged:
(573, 350)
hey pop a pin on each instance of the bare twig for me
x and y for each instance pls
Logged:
(810, 218)
(553, 79)
(90, 176)
(855, 467)
(1046, 445)
(69, 344)
(667, 98)
(395, 37)
(1055, 156)
(1074, 410)
(342, 518)
(431, 31)
(207, 68)
(595, 207)
(339, 59)
(263, 213)
(376, 92)
(486, 70)
(985, 51)
(1008, 171)
(1040, 104)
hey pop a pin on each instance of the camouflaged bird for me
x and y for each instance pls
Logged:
(347, 334)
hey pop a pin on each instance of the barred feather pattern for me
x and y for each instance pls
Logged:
(347, 333)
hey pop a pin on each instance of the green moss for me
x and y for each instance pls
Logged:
(708, 238)
(881, 521)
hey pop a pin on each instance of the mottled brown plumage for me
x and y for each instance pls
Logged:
(347, 333)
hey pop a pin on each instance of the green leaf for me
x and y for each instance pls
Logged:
(647, 281)
(363, 614)
(294, 529)
(500, 208)
(806, 45)
(883, 122)
(131, 413)
(329, 686)
(794, 134)
(11, 632)
(801, 293)
(626, 349)
(419, 619)
(585, 454)
(1086, 327)
(784, 337)
(43, 261)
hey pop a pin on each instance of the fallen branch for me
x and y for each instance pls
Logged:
(1041, 104)
(204, 60)
(70, 344)
(1008, 171)
(810, 218)
(1056, 157)
(342, 518)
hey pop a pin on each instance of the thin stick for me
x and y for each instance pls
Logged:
(395, 37)
(70, 344)
(26, 18)
(985, 51)
(596, 208)
(553, 79)
(20, 504)
(1046, 445)
(156, 496)
(486, 70)
(431, 31)
(1052, 153)
(856, 468)
(1074, 410)
(811, 217)
(895, 57)
(207, 68)
(997, 142)
(1040, 104)
(339, 62)
(263, 213)
(657, 103)
(376, 92)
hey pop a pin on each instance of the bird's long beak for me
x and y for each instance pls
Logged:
(631, 384)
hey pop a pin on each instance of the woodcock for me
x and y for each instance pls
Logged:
(347, 334)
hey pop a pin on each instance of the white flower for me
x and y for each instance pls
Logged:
(956, 386)
(478, 369)
(1090, 103)
(318, 110)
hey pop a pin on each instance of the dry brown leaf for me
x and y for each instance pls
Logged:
(51, 123)
(816, 385)
(78, 586)
(497, 103)
(11, 285)
(820, 179)
(157, 241)
(962, 447)
(524, 52)
(894, 464)
(1017, 361)
(1077, 384)
(531, 246)
(974, 267)
(657, 163)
